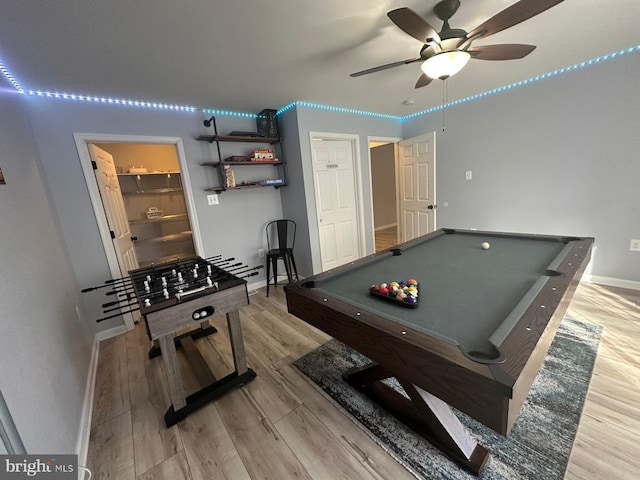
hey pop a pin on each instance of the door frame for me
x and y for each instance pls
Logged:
(371, 233)
(81, 141)
(354, 139)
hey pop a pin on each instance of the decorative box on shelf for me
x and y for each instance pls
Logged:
(229, 177)
(262, 154)
(236, 158)
(153, 212)
(273, 182)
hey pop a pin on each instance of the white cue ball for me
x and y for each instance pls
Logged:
(485, 245)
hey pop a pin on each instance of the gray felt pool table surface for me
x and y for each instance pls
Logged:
(468, 296)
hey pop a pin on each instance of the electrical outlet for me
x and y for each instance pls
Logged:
(634, 245)
(213, 199)
(261, 253)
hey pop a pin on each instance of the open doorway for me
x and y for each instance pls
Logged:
(403, 188)
(383, 166)
(152, 192)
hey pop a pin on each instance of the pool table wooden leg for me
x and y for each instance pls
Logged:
(426, 414)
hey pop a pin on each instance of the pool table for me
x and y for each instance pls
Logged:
(475, 340)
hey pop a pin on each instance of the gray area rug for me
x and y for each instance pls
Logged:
(540, 442)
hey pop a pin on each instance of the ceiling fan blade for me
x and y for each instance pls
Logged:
(384, 67)
(413, 24)
(423, 81)
(510, 16)
(506, 51)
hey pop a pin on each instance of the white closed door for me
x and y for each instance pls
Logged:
(335, 191)
(107, 179)
(417, 192)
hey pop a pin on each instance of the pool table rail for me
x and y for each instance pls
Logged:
(527, 344)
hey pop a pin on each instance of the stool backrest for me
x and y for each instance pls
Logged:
(281, 234)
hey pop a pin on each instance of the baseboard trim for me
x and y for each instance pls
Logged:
(384, 227)
(110, 333)
(612, 282)
(252, 287)
(82, 447)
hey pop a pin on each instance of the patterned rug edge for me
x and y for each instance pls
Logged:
(592, 334)
(360, 425)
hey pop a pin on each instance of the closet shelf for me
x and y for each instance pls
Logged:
(153, 191)
(167, 218)
(174, 237)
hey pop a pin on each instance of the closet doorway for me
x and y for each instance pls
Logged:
(139, 188)
(153, 196)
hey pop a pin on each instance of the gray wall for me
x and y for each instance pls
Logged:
(294, 196)
(44, 350)
(557, 156)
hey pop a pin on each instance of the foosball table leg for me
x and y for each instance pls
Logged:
(182, 406)
(172, 372)
(237, 343)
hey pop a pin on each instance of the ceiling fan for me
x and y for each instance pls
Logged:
(446, 52)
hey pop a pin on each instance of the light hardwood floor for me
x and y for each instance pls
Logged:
(279, 427)
(386, 238)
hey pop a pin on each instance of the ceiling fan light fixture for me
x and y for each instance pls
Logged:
(445, 64)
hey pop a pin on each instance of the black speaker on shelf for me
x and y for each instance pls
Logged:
(268, 123)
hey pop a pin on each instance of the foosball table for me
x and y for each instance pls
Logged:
(171, 298)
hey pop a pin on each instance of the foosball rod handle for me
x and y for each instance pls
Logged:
(121, 293)
(252, 274)
(121, 306)
(247, 269)
(91, 289)
(116, 302)
(117, 315)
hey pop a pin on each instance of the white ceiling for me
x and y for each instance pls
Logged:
(246, 55)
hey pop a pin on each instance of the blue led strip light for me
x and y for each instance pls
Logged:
(211, 111)
(163, 106)
(111, 101)
(336, 109)
(285, 108)
(525, 82)
(10, 77)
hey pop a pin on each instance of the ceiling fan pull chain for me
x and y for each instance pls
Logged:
(445, 94)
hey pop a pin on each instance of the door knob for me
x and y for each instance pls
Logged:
(432, 207)
(134, 239)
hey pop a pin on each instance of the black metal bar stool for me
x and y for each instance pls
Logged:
(281, 237)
